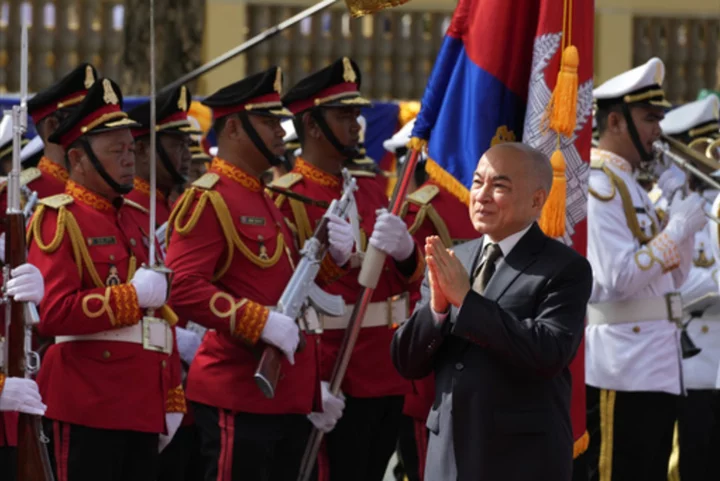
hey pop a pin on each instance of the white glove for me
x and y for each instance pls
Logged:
(670, 181)
(26, 284)
(341, 239)
(687, 217)
(283, 333)
(391, 236)
(188, 343)
(172, 420)
(22, 395)
(332, 410)
(151, 288)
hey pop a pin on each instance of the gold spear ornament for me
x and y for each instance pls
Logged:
(358, 8)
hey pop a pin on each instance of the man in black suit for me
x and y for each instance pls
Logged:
(500, 321)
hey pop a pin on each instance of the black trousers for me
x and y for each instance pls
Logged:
(250, 447)
(362, 443)
(8, 463)
(631, 434)
(80, 453)
(580, 468)
(181, 459)
(699, 435)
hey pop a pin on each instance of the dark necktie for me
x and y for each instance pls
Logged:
(492, 254)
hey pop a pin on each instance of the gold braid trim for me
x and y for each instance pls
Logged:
(126, 304)
(35, 230)
(630, 214)
(253, 316)
(330, 271)
(176, 401)
(226, 223)
(302, 221)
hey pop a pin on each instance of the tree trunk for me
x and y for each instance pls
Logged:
(179, 26)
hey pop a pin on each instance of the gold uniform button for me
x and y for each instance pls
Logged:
(705, 329)
(132, 242)
(112, 257)
(164, 364)
(106, 355)
(636, 329)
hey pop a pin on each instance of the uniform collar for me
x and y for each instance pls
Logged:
(612, 159)
(84, 196)
(56, 171)
(235, 173)
(143, 187)
(508, 243)
(315, 174)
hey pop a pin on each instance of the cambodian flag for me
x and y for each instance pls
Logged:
(491, 83)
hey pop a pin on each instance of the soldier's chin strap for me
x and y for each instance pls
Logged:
(274, 160)
(119, 188)
(350, 152)
(634, 136)
(177, 177)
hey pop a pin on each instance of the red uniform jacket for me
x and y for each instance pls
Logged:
(87, 249)
(432, 210)
(232, 254)
(370, 372)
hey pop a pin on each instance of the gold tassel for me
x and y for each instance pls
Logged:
(552, 219)
(563, 103)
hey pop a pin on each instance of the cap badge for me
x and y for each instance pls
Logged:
(109, 95)
(278, 80)
(182, 101)
(89, 77)
(348, 71)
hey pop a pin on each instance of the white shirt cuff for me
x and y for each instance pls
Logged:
(439, 317)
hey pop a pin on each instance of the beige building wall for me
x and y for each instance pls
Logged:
(225, 21)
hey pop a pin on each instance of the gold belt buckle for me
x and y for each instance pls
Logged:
(157, 336)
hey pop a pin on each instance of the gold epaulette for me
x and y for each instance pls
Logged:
(362, 173)
(424, 195)
(207, 181)
(29, 174)
(135, 205)
(287, 180)
(56, 201)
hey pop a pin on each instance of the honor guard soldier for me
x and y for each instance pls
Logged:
(430, 210)
(48, 109)
(326, 106)
(633, 365)
(172, 149)
(107, 380)
(233, 253)
(173, 130)
(698, 424)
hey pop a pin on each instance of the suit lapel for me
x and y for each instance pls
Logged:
(520, 258)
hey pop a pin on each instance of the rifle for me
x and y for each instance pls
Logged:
(33, 462)
(302, 290)
(368, 278)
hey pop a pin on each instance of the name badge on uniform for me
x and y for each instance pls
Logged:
(102, 241)
(249, 220)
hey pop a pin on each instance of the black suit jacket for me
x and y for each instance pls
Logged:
(505, 360)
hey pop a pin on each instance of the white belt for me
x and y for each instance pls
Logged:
(667, 307)
(393, 311)
(154, 335)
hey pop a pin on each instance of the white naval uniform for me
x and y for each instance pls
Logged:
(703, 371)
(627, 355)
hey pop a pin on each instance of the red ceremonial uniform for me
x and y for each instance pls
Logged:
(232, 254)
(141, 195)
(87, 250)
(370, 372)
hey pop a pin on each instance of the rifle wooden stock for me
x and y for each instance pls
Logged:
(33, 462)
(267, 373)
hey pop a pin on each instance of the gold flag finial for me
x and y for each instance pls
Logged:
(278, 80)
(109, 95)
(348, 71)
(358, 8)
(182, 101)
(89, 77)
